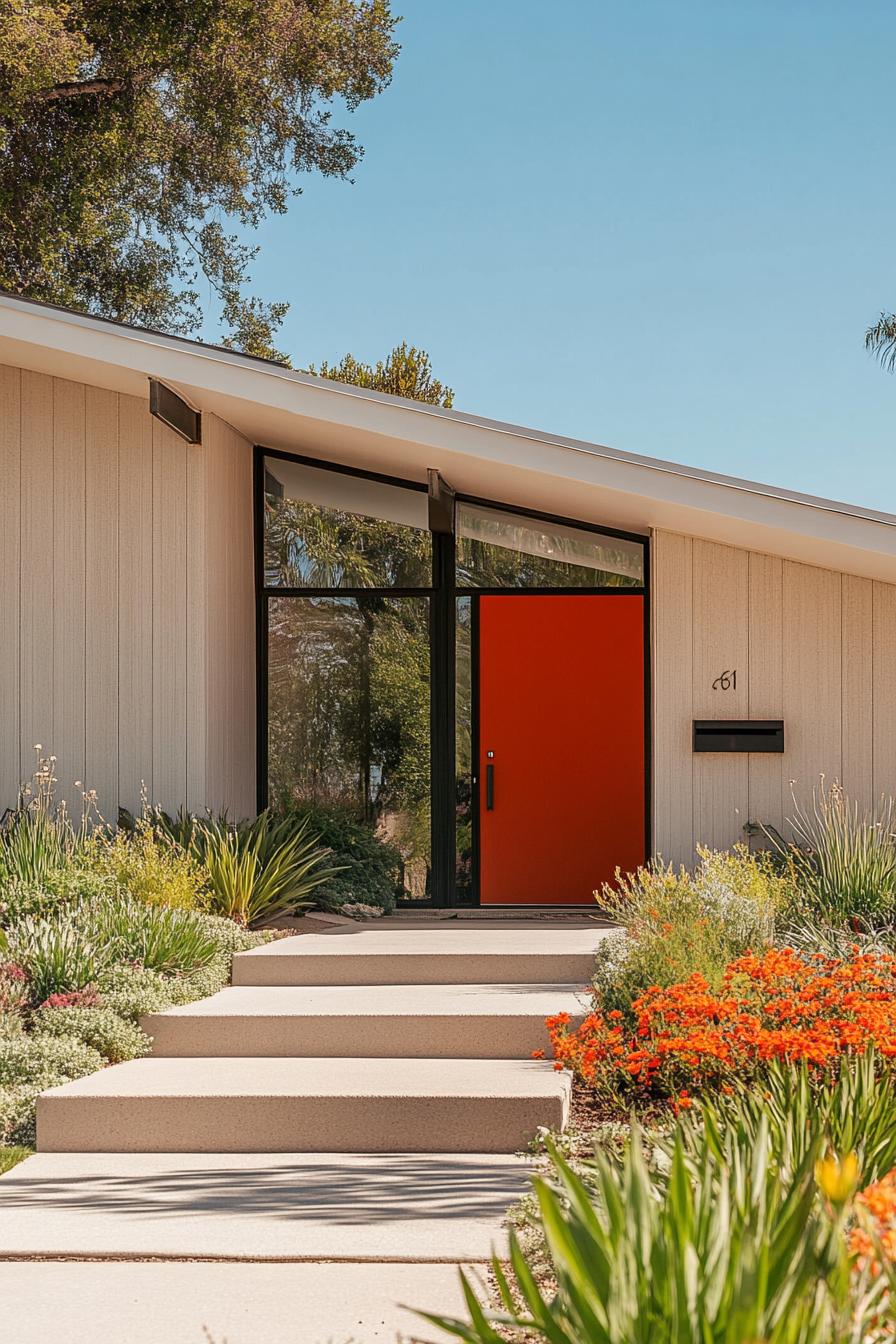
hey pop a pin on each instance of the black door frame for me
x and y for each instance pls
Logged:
(443, 597)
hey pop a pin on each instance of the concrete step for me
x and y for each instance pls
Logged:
(387, 1021)
(253, 1105)
(444, 953)
(261, 1206)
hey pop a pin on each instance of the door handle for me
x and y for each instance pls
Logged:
(489, 788)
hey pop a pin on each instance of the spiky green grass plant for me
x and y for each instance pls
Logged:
(844, 859)
(733, 1230)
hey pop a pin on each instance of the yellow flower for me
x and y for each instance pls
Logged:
(837, 1177)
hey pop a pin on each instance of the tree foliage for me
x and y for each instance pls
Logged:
(135, 135)
(407, 372)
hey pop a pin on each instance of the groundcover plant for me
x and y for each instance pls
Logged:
(101, 925)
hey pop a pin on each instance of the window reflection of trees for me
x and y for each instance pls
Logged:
(308, 546)
(463, 749)
(349, 712)
(499, 557)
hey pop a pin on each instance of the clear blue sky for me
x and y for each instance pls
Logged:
(661, 225)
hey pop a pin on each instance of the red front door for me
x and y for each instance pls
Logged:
(561, 745)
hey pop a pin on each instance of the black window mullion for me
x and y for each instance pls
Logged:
(442, 720)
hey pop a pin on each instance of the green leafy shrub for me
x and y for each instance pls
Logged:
(76, 883)
(149, 866)
(63, 888)
(368, 869)
(843, 860)
(102, 1028)
(230, 937)
(675, 923)
(19, 899)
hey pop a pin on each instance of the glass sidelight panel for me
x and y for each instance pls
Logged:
(464, 877)
(349, 715)
(496, 549)
(326, 529)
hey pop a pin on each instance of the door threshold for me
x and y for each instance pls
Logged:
(541, 912)
(590, 914)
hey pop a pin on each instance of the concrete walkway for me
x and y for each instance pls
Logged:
(303, 1153)
(128, 1303)
(249, 1206)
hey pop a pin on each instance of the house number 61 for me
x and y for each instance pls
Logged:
(726, 681)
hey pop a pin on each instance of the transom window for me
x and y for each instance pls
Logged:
(497, 549)
(326, 529)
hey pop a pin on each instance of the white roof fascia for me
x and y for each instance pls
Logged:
(285, 409)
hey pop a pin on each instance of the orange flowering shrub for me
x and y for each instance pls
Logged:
(779, 1005)
(879, 1203)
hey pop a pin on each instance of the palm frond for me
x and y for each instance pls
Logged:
(880, 340)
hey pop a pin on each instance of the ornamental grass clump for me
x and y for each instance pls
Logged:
(65, 955)
(843, 860)
(690, 1038)
(853, 1109)
(37, 836)
(261, 868)
(155, 936)
(766, 1215)
(57, 955)
(725, 1247)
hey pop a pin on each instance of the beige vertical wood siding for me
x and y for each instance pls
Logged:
(810, 646)
(127, 613)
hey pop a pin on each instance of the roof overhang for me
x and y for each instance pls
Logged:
(283, 409)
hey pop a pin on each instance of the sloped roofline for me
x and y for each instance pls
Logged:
(143, 336)
(563, 477)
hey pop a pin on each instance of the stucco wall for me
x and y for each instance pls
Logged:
(127, 638)
(811, 646)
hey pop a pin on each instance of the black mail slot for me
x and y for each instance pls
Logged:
(739, 735)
